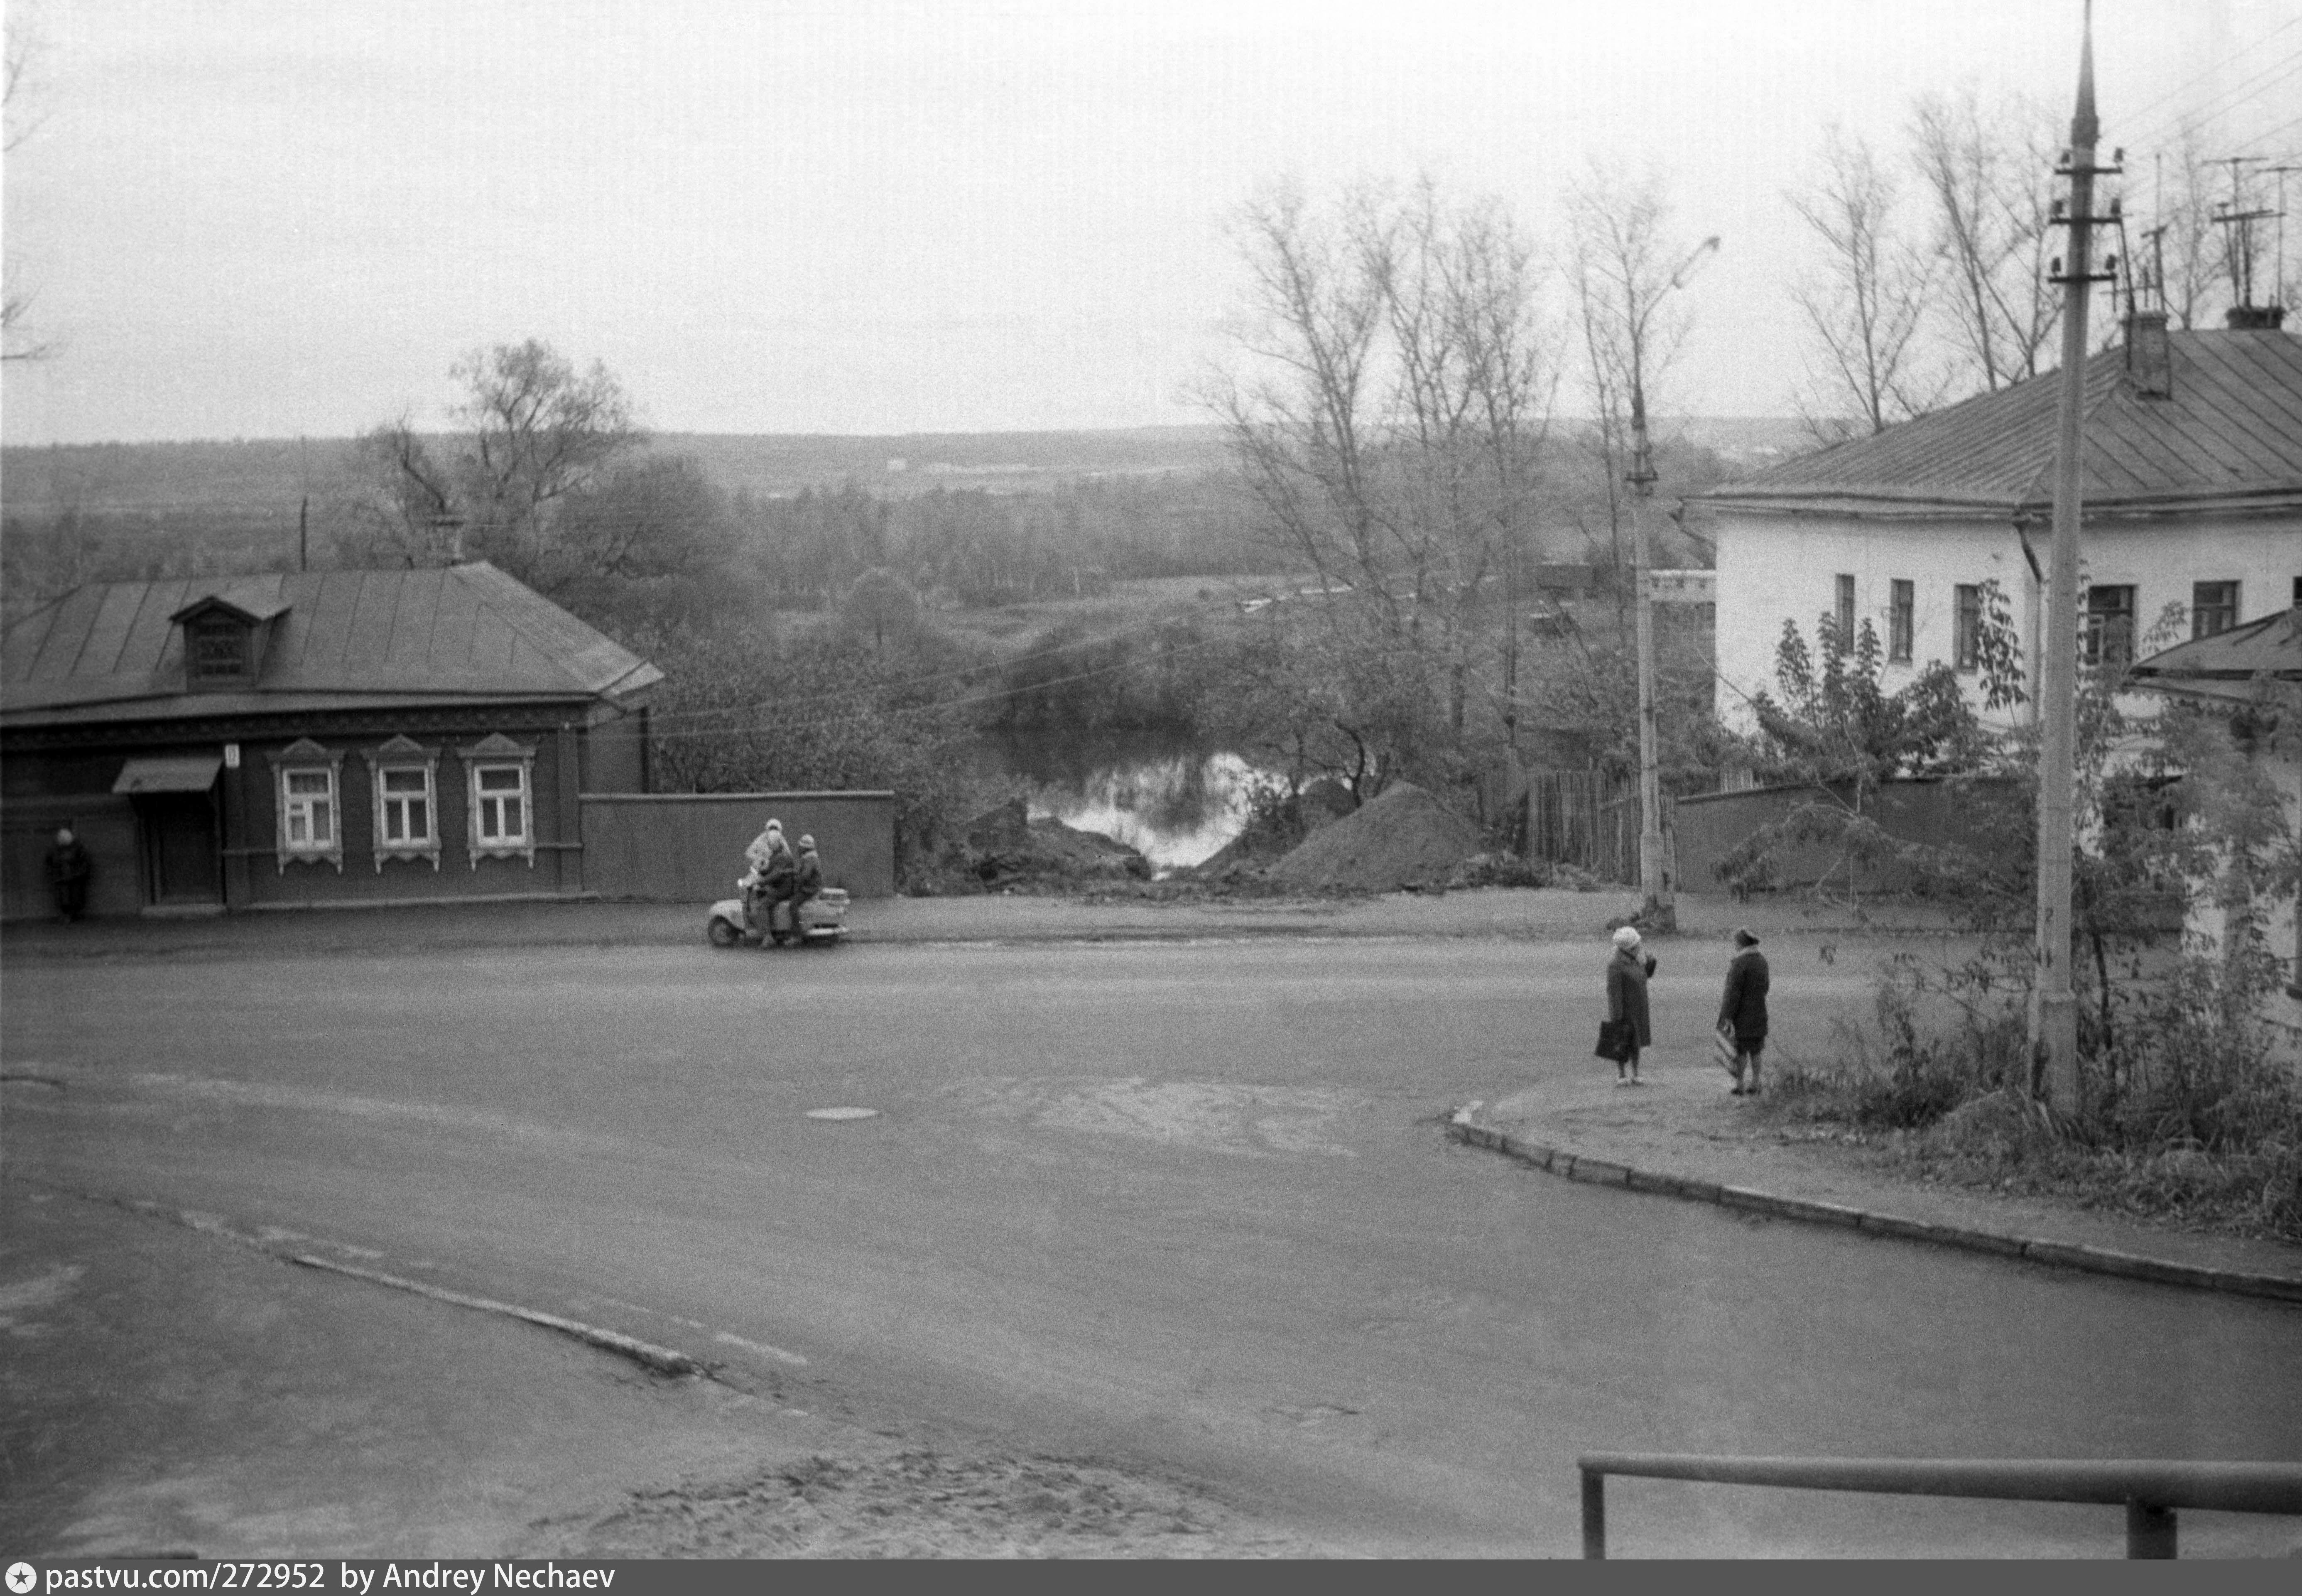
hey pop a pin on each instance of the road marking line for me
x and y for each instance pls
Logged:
(762, 1349)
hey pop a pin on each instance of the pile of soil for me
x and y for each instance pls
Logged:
(1403, 838)
(1006, 847)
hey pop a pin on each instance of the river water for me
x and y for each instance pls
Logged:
(1176, 800)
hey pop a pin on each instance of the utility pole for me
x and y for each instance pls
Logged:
(2053, 1009)
(1658, 907)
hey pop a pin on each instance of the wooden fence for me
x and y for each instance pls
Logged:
(1590, 820)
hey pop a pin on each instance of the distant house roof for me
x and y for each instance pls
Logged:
(2229, 663)
(2229, 436)
(111, 650)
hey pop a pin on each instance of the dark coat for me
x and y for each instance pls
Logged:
(778, 873)
(68, 864)
(809, 878)
(1626, 991)
(1744, 1007)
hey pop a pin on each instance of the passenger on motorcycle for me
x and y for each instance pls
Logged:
(773, 878)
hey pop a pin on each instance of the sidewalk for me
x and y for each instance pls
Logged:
(1682, 1135)
(1521, 913)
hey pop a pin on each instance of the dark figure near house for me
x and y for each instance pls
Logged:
(1744, 1010)
(1626, 1000)
(67, 872)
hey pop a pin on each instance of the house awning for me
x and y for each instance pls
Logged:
(186, 773)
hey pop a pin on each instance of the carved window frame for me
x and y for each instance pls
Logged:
(303, 756)
(400, 755)
(493, 753)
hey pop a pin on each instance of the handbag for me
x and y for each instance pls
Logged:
(1723, 1050)
(1614, 1040)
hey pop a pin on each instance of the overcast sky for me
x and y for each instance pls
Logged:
(260, 220)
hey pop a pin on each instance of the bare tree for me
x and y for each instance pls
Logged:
(533, 433)
(2186, 250)
(1622, 255)
(1988, 172)
(1866, 303)
(23, 48)
(1387, 411)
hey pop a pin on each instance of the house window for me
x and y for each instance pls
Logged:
(499, 805)
(1899, 622)
(407, 802)
(1966, 627)
(1846, 610)
(215, 651)
(405, 799)
(307, 794)
(307, 810)
(2109, 638)
(2214, 608)
(499, 800)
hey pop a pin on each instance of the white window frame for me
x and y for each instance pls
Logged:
(491, 755)
(402, 757)
(306, 758)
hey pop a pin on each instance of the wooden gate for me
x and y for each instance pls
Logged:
(1590, 820)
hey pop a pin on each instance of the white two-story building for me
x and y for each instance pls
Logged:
(2192, 484)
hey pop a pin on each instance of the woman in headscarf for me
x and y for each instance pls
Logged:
(1626, 1001)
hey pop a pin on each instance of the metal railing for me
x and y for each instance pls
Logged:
(2150, 1490)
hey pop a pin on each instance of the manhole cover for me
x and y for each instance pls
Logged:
(841, 1114)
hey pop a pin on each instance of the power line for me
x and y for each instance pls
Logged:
(2149, 105)
(2222, 105)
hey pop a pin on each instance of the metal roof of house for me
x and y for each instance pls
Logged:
(2229, 434)
(109, 650)
(2269, 648)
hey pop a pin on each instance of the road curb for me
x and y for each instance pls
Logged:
(1568, 1165)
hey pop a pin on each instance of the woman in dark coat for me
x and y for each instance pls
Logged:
(1626, 999)
(1743, 1011)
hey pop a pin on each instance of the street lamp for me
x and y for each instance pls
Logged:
(1658, 908)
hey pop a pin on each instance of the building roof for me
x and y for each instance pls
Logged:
(2229, 663)
(110, 651)
(2228, 436)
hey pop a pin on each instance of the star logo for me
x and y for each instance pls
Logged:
(21, 1578)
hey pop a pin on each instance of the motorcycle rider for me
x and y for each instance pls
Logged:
(806, 883)
(774, 876)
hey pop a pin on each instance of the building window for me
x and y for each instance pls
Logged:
(500, 797)
(215, 651)
(1966, 627)
(2109, 637)
(309, 805)
(407, 802)
(1899, 622)
(1846, 610)
(2214, 608)
(307, 794)
(499, 805)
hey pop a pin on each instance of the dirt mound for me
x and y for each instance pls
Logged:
(1006, 847)
(1403, 838)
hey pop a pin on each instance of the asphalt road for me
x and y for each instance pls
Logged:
(1186, 1206)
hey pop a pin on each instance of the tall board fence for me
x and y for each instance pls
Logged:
(1590, 820)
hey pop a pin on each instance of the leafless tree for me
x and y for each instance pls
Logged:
(1389, 409)
(1988, 173)
(1622, 254)
(1866, 303)
(24, 49)
(2188, 251)
(531, 433)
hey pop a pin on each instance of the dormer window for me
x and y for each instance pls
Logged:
(215, 651)
(225, 637)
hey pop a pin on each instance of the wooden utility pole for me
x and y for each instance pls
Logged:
(1658, 907)
(2054, 1010)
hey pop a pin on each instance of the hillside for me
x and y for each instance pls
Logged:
(256, 476)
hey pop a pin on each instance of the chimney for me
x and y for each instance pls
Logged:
(2149, 359)
(2261, 318)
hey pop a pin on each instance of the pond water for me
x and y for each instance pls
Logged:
(1176, 800)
